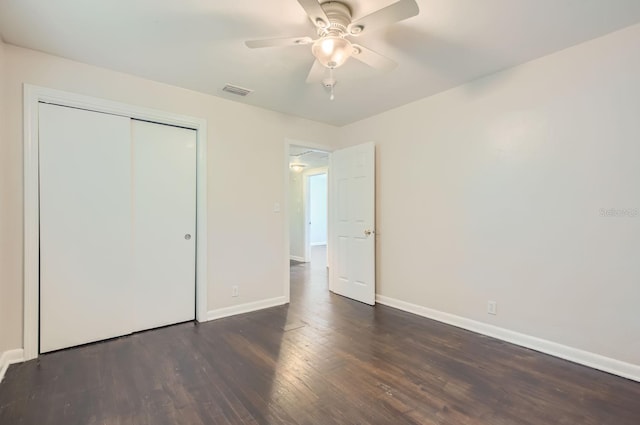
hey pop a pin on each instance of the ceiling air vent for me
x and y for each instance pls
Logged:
(236, 90)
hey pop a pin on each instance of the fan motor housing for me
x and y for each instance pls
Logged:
(339, 16)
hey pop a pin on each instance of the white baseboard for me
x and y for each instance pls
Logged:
(296, 258)
(586, 358)
(318, 243)
(8, 358)
(245, 308)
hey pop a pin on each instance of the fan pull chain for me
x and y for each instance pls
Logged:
(333, 84)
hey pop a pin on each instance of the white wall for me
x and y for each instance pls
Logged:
(296, 216)
(243, 229)
(318, 209)
(494, 190)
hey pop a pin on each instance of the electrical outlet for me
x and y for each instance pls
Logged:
(235, 290)
(492, 307)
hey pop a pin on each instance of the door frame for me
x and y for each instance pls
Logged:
(287, 230)
(32, 96)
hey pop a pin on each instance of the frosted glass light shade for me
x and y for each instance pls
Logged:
(332, 51)
(297, 167)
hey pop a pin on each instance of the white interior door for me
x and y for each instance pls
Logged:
(164, 224)
(85, 226)
(352, 239)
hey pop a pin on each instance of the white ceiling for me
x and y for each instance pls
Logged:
(198, 44)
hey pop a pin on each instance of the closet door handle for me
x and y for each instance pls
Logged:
(187, 236)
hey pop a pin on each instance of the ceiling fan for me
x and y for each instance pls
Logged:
(334, 26)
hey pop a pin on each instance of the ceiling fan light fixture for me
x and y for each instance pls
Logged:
(332, 51)
(297, 167)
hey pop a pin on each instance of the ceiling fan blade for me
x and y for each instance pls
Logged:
(278, 42)
(315, 12)
(317, 73)
(373, 59)
(396, 12)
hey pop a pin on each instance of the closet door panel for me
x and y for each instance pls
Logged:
(164, 187)
(85, 226)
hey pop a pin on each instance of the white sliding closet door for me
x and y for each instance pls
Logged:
(117, 226)
(85, 226)
(164, 224)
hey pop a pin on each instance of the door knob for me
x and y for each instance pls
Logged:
(368, 232)
(187, 236)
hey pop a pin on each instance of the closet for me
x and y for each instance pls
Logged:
(117, 225)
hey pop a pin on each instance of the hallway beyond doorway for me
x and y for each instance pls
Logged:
(311, 280)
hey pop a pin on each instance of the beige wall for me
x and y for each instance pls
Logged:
(246, 245)
(494, 190)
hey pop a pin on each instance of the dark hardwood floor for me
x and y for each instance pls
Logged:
(322, 360)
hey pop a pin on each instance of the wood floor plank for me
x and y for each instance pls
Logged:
(321, 360)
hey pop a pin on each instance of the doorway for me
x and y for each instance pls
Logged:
(308, 224)
(350, 253)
